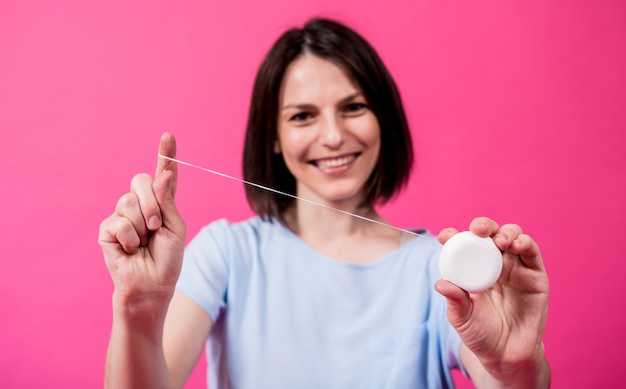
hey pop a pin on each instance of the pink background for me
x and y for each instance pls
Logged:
(517, 109)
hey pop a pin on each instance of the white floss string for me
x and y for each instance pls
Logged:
(285, 194)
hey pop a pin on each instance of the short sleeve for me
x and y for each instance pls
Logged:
(205, 271)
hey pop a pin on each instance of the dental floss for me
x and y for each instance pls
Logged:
(285, 194)
(469, 261)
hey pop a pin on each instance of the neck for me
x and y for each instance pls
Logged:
(341, 236)
(306, 219)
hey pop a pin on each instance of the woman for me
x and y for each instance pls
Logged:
(302, 295)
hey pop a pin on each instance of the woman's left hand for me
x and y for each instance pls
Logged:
(503, 326)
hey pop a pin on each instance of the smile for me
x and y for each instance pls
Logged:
(331, 163)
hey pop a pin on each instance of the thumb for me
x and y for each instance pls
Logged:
(167, 148)
(459, 303)
(163, 188)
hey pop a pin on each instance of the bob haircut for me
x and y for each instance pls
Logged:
(344, 47)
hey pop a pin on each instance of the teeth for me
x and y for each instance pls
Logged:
(335, 162)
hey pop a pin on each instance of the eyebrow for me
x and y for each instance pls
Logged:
(309, 106)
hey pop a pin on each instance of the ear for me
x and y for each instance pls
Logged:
(277, 149)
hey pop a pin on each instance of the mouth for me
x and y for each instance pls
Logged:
(336, 162)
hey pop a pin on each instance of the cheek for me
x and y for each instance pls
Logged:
(292, 153)
(368, 131)
(292, 143)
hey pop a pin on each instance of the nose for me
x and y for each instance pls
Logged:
(331, 132)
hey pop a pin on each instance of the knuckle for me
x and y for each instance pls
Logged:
(126, 201)
(105, 223)
(127, 235)
(140, 179)
(124, 226)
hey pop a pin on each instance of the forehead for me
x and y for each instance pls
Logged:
(310, 78)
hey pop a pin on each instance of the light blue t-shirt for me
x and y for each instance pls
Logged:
(286, 316)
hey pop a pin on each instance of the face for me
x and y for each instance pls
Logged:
(327, 134)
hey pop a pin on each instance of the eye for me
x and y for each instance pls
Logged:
(355, 108)
(301, 117)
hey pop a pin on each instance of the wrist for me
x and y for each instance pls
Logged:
(531, 373)
(146, 312)
(135, 357)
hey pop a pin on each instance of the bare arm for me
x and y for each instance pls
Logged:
(157, 335)
(187, 327)
(135, 357)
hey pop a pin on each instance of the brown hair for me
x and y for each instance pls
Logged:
(341, 45)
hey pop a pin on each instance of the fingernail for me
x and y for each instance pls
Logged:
(154, 222)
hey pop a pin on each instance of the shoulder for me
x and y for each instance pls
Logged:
(422, 253)
(229, 237)
(425, 243)
(224, 230)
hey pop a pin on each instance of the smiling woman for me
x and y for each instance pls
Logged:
(327, 135)
(303, 295)
(349, 59)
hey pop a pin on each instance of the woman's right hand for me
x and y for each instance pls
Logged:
(143, 240)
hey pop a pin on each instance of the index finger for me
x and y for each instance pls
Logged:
(167, 148)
